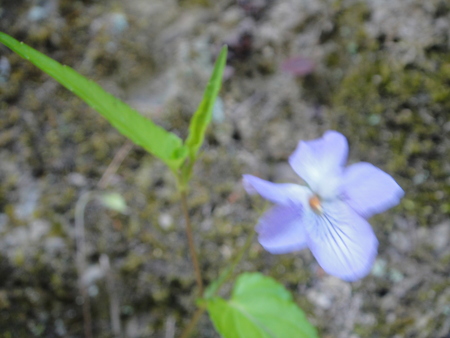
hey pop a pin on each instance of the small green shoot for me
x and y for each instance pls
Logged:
(202, 117)
(114, 201)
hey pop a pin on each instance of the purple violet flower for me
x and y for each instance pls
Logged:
(329, 214)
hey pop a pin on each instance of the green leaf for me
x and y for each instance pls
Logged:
(259, 307)
(156, 140)
(202, 117)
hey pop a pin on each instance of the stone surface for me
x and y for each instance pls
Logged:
(380, 77)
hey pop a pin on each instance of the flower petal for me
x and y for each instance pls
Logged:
(343, 243)
(281, 230)
(369, 190)
(280, 193)
(320, 160)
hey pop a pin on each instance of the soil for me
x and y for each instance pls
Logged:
(378, 71)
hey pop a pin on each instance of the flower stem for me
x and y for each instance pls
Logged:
(215, 286)
(195, 318)
(81, 260)
(190, 237)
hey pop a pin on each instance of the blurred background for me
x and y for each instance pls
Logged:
(378, 71)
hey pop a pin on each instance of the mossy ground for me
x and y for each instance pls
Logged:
(393, 107)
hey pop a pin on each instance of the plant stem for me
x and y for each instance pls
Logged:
(190, 237)
(228, 271)
(195, 318)
(115, 164)
(81, 260)
(215, 286)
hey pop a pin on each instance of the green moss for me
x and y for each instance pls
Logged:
(191, 3)
(133, 262)
(4, 301)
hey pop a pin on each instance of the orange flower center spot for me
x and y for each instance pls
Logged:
(314, 203)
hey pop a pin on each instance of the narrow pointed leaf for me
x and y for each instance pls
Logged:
(156, 140)
(259, 308)
(202, 117)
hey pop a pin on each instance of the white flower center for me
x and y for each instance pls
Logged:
(328, 188)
